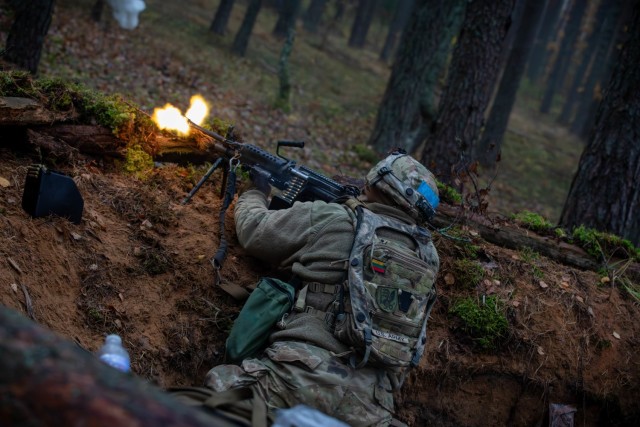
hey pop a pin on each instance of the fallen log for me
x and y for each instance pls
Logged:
(25, 111)
(86, 139)
(54, 134)
(48, 381)
(509, 235)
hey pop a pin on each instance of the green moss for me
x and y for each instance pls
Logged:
(528, 255)
(57, 95)
(218, 125)
(603, 245)
(366, 153)
(468, 272)
(532, 221)
(531, 257)
(110, 111)
(486, 323)
(560, 233)
(448, 194)
(95, 315)
(137, 161)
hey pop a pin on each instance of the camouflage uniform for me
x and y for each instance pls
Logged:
(305, 363)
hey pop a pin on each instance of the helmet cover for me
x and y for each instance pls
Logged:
(408, 183)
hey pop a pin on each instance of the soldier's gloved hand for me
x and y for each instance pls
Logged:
(260, 181)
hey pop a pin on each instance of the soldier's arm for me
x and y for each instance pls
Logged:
(270, 235)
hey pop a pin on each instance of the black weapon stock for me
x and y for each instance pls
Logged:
(295, 182)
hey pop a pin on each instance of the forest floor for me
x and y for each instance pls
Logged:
(138, 264)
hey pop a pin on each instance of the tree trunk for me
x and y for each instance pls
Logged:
(313, 15)
(434, 75)
(287, 18)
(488, 149)
(47, 381)
(540, 49)
(602, 16)
(604, 57)
(283, 100)
(473, 71)
(221, 19)
(420, 59)
(400, 17)
(96, 10)
(361, 23)
(330, 28)
(26, 36)
(603, 193)
(241, 41)
(565, 53)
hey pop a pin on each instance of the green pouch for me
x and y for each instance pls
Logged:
(267, 304)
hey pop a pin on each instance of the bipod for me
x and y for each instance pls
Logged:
(205, 177)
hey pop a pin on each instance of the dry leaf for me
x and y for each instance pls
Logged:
(605, 279)
(14, 287)
(564, 285)
(515, 303)
(76, 236)
(473, 233)
(615, 334)
(4, 182)
(201, 257)
(590, 311)
(449, 279)
(120, 296)
(118, 323)
(543, 285)
(579, 298)
(540, 351)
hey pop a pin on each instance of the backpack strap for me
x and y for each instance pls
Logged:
(353, 203)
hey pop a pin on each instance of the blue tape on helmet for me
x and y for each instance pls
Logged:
(429, 194)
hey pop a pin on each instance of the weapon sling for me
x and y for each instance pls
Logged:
(236, 291)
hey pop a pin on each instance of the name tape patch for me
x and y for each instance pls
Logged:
(390, 336)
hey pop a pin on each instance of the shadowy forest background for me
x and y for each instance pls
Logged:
(520, 88)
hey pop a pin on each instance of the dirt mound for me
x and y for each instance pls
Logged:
(138, 265)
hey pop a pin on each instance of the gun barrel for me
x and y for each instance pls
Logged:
(208, 132)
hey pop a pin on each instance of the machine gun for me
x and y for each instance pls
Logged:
(296, 182)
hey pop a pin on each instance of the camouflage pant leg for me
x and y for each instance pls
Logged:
(293, 372)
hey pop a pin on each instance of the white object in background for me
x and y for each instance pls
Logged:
(113, 353)
(126, 12)
(304, 416)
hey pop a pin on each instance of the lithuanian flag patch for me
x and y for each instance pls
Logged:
(378, 266)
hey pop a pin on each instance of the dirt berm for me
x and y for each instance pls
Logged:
(138, 265)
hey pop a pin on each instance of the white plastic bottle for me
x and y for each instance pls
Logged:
(113, 353)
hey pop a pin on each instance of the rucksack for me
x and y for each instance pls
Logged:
(390, 292)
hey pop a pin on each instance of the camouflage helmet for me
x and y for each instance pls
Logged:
(408, 183)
